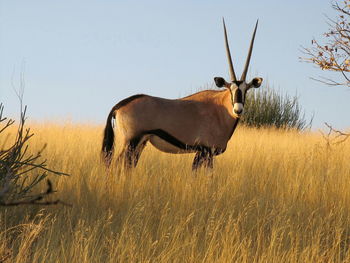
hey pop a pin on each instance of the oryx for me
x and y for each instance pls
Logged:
(202, 123)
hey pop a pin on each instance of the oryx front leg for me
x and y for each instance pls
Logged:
(204, 159)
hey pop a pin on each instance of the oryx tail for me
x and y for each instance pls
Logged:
(108, 139)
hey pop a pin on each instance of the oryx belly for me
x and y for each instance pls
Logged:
(165, 146)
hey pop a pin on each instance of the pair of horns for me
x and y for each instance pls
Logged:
(232, 72)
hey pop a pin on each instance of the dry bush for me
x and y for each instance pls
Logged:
(16, 186)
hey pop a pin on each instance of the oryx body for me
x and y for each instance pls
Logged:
(202, 122)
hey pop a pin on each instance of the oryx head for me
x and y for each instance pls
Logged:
(238, 88)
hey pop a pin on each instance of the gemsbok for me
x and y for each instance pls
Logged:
(201, 123)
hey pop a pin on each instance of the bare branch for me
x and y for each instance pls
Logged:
(41, 166)
(334, 54)
(339, 136)
(37, 200)
(328, 81)
(333, 136)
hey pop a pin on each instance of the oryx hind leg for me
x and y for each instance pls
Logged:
(203, 158)
(131, 153)
(134, 152)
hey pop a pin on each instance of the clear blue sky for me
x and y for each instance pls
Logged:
(82, 57)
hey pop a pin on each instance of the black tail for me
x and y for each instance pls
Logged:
(108, 139)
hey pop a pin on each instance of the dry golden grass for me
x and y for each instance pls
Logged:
(273, 196)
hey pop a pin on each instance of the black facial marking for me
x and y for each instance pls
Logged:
(238, 82)
(238, 96)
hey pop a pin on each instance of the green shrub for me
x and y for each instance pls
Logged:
(267, 107)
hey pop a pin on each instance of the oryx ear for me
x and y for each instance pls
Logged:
(256, 82)
(221, 82)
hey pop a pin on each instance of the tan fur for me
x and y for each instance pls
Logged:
(204, 118)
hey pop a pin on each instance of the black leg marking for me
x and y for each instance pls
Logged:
(203, 158)
(107, 157)
(131, 154)
(138, 152)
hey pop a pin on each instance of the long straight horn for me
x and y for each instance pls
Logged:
(232, 72)
(244, 74)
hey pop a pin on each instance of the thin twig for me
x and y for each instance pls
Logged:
(339, 136)
(37, 199)
(334, 54)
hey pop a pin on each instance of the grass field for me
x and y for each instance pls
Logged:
(274, 196)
